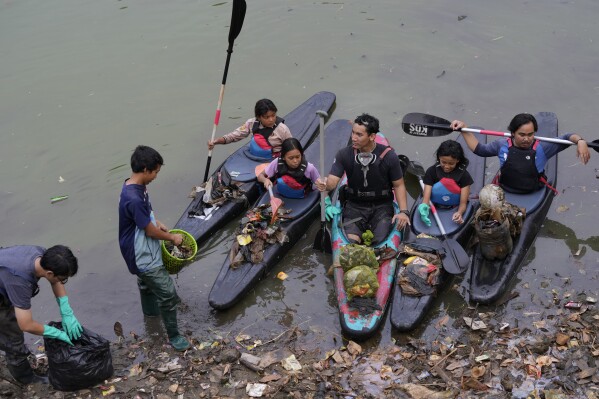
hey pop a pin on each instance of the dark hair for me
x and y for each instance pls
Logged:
(291, 144)
(145, 157)
(60, 261)
(369, 122)
(522, 119)
(451, 148)
(263, 106)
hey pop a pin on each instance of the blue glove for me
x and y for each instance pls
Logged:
(423, 210)
(53, 332)
(70, 324)
(330, 210)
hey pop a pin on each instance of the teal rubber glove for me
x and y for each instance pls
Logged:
(330, 210)
(69, 322)
(423, 210)
(53, 332)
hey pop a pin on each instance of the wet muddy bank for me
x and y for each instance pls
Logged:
(473, 355)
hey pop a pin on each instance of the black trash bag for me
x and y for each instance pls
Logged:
(85, 364)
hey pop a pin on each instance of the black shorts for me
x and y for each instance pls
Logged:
(374, 217)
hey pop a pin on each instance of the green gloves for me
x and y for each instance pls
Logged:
(69, 323)
(53, 332)
(330, 210)
(423, 210)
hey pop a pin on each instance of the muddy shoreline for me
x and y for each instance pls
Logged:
(474, 355)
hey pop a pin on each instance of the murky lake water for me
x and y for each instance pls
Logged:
(83, 82)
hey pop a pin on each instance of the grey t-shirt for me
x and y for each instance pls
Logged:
(17, 273)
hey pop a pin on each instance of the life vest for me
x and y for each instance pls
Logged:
(259, 144)
(292, 183)
(519, 172)
(367, 183)
(446, 192)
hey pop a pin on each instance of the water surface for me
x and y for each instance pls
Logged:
(84, 82)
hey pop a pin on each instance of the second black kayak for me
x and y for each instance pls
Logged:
(202, 220)
(490, 279)
(232, 283)
(408, 311)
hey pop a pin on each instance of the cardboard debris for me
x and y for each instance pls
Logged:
(474, 324)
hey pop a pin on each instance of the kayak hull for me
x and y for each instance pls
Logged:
(490, 279)
(355, 324)
(408, 311)
(202, 221)
(232, 284)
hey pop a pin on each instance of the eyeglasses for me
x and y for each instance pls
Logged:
(63, 280)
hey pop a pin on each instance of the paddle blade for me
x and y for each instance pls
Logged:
(425, 125)
(456, 260)
(416, 168)
(594, 145)
(275, 204)
(322, 241)
(237, 17)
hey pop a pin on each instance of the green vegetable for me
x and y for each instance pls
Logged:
(367, 237)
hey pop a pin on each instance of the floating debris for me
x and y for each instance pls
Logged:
(58, 199)
(282, 275)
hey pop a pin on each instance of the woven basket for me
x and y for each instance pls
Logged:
(174, 265)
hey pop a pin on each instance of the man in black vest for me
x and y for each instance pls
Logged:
(374, 175)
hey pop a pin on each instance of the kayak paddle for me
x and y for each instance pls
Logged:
(322, 242)
(425, 125)
(458, 260)
(275, 204)
(237, 17)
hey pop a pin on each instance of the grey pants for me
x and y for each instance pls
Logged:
(12, 342)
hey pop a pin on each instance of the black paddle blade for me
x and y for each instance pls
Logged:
(425, 125)
(456, 260)
(323, 242)
(594, 145)
(237, 17)
(416, 168)
(404, 161)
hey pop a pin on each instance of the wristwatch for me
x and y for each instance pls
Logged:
(405, 211)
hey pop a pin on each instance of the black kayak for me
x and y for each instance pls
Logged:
(201, 220)
(490, 279)
(408, 311)
(232, 283)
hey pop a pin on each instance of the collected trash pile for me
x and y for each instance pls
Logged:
(360, 267)
(496, 222)
(421, 274)
(256, 231)
(182, 251)
(215, 193)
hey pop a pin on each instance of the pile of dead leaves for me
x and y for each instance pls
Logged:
(256, 231)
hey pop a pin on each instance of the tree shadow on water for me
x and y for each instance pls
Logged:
(556, 230)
